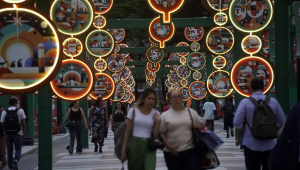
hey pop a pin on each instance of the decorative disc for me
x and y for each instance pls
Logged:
(116, 63)
(119, 93)
(182, 60)
(197, 75)
(118, 34)
(196, 61)
(72, 47)
(219, 40)
(125, 73)
(99, 21)
(220, 18)
(219, 5)
(251, 44)
(219, 62)
(182, 44)
(124, 46)
(218, 84)
(183, 71)
(174, 57)
(116, 77)
(195, 46)
(127, 95)
(152, 68)
(101, 6)
(184, 82)
(168, 83)
(100, 65)
(99, 43)
(117, 48)
(185, 93)
(194, 33)
(173, 77)
(104, 86)
(154, 55)
(197, 90)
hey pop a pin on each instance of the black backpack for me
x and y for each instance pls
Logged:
(264, 125)
(229, 110)
(11, 122)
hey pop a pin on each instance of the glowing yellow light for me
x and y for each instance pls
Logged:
(220, 23)
(106, 10)
(111, 91)
(182, 44)
(13, 89)
(96, 21)
(207, 84)
(65, 43)
(232, 17)
(222, 59)
(224, 7)
(259, 44)
(15, 1)
(197, 78)
(87, 25)
(104, 64)
(207, 37)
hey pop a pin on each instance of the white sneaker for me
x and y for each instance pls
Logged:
(15, 165)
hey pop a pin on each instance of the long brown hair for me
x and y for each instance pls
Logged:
(99, 100)
(144, 95)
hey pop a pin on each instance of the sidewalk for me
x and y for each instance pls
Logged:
(26, 150)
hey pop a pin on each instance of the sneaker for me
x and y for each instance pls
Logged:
(227, 136)
(100, 150)
(232, 134)
(71, 151)
(15, 165)
(96, 149)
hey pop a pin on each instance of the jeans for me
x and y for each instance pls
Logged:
(76, 132)
(255, 159)
(186, 160)
(16, 140)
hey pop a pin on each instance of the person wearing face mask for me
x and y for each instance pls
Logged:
(176, 132)
(146, 122)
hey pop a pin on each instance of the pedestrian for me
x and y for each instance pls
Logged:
(90, 127)
(99, 120)
(2, 148)
(208, 110)
(118, 116)
(201, 108)
(76, 115)
(176, 132)
(256, 151)
(145, 125)
(228, 110)
(13, 121)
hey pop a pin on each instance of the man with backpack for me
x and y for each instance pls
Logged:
(228, 110)
(13, 121)
(259, 115)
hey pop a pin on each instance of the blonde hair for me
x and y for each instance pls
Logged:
(144, 95)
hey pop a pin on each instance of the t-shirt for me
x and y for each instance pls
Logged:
(209, 108)
(143, 124)
(178, 128)
(21, 116)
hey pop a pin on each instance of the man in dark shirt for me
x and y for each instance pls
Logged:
(2, 148)
(228, 110)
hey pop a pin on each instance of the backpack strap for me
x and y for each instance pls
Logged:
(267, 100)
(253, 101)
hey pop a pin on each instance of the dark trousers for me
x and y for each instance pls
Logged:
(254, 159)
(76, 132)
(186, 160)
(13, 140)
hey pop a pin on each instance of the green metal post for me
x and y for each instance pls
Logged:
(30, 98)
(85, 133)
(45, 128)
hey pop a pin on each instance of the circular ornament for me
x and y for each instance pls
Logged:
(219, 5)
(248, 68)
(195, 46)
(99, 43)
(132, 86)
(126, 96)
(72, 47)
(250, 15)
(116, 63)
(124, 46)
(197, 90)
(219, 40)
(218, 84)
(220, 18)
(175, 67)
(182, 44)
(183, 71)
(130, 81)
(168, 83)
(117, 48)
(176, 86)
(173, 77)
(149, 74)
(104, 86)
(229, 64)
(154, 55)
(73, 81)
(99, 21)
(196, 61)
(29, 54)
(100, 65)
(182, 60)
(116, 77)
(251, 44)
(197, 75)
(102, 7)
(193, 33)
(174, 57)
(152, 68)
(118, 34)
(15, 1)
(183, 82)
(125, 73)
(70, 17)
(219, 62)
(185, 93)
(119, 93)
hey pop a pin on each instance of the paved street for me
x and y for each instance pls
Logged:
(229, 155)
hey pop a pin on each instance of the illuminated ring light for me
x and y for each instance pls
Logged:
(184, 82)
(61, 13)
(219, 62)
(130, 81)
(241, 21)
(193, 33)
(99, 21)
(215, 33)
(183, 71)
(218, 6)
(13, 81)
(195, 46)
(223, 80)
(116, 63)
(197, 75)
(102, 8)
(125, 73)
(72, 47)
(251, 44)
(185, 93)
(127, 95)
(182, 44)
(196, 61)
(116, 77)
(119, 93)
(124, 82)
(96, 52)
(152, 68)
(118, 34)
(242, 86)
(15, 1)
(220, 16)
(166, 8)
(168, 83)
(154, 55)
(124, 46)
(102, 90)
(174, 77)
(100, 65)
(117, 48)
(197, 90)
(71, 83)
(162, 37)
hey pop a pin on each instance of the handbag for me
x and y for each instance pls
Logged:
(209, 160)
(71, 124)
(155, 143)
(212, 141)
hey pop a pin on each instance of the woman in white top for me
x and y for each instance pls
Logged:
(176, 132)
(146, 123)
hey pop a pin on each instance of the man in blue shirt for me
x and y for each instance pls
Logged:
(256, 151)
